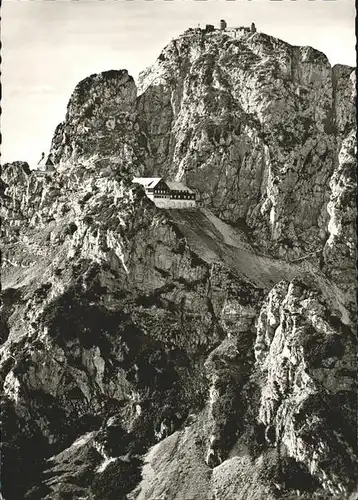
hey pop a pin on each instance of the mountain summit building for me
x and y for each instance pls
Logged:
(167, 194)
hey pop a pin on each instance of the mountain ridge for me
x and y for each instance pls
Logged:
(198, 353)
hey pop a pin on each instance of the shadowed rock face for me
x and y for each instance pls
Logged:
(186, 354)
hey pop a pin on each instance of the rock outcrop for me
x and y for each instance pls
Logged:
(203, 353)
(100, 126)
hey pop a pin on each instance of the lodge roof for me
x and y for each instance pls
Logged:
(178, 186)
(147, 181)
(151, 182)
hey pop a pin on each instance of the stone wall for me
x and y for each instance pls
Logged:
(168, 203)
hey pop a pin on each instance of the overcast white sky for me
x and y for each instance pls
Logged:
(49, 46)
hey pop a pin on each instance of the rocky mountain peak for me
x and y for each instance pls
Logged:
(255, 125)
(100, 122)
(198, 353)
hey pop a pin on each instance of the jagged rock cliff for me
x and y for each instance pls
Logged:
(190, 354)
(101, 123)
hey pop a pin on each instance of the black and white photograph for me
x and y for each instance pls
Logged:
(178, 236)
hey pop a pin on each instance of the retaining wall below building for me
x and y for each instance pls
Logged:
(168, 203)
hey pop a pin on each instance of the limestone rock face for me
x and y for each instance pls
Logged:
(307, 358)
(342, 211)
(186, 354)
